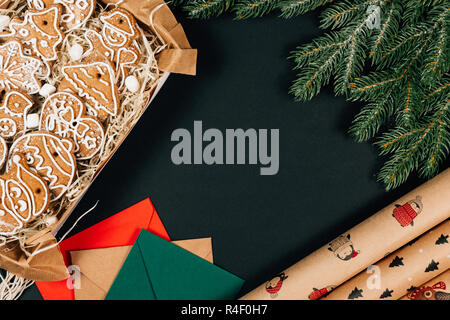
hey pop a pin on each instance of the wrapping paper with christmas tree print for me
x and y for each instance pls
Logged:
(391, 278)
(363, 245)
(436, 289)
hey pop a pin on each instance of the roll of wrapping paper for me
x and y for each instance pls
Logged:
(436, 289)
(368, 242)
(400, 272)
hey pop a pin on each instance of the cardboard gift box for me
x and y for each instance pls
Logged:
(42, 260)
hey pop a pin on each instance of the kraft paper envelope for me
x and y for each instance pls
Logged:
(156, 269)
(99, 267)
(121, 229)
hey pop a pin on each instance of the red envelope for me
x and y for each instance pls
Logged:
(121, 229)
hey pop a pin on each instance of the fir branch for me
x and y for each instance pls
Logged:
(245, 9)
(205, 9)
(410, 150)
(371, 117)
(407, 86)
(292, 8)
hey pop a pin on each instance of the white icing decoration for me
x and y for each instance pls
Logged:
(24, 32)
(82, 4)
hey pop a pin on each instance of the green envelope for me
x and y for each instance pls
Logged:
(156, 269)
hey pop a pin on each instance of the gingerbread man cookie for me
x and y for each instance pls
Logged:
(63, 113)
(94, 81)
(51, 156)
(40, 30)
(17, 71)
(75, 12)
(13, 113)
(24, 196)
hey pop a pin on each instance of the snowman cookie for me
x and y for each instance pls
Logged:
(51, 157)
(63, 113)
(119, 28)
(40, 31)
(24, 196)
(18, 71)
(13, 113)
(75, 12)
(96, 83)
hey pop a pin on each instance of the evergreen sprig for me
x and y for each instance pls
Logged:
(393, 55)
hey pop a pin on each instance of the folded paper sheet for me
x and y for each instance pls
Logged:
(99, 267)
(121, 229)
(365, 244)
(406, 268)
(156, 269)
(436, 289)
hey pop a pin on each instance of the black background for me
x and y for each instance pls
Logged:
(259, 224)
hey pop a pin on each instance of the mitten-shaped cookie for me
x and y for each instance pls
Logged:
(24, 196)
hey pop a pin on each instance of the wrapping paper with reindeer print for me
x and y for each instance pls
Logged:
(402, 271)
(437, 288)
(353, 251)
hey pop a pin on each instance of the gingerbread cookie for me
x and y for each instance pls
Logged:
(51, 156)
(40, 30)
(75, 12)
(24, 195)
(13, 113)
(4, 4)
(126, 57)
(63, 113)
(97, 46)
(3, 152)
(119, 29)
(94, 81)
(17, 71)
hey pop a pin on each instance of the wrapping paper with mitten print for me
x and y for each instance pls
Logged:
(436, 289)
(402, 271)
(352, 252)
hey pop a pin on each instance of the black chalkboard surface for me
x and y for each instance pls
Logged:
(259, 224)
